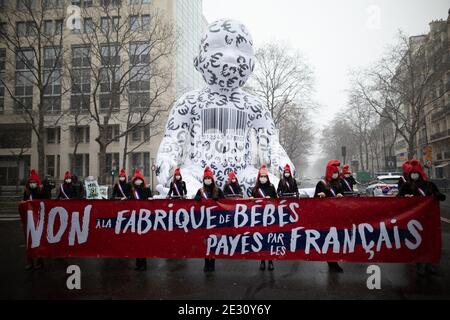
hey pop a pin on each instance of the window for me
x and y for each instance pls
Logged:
(87, 3)
(51, 4)
(79, 164)
(52, 104)
(140, 133)
(110, 54)
(109, 98)
(52, 57)
(50, 165)
(26, 4)
(112, 162)
(108, 24)
(23, 91)
(106, 3)
(2, 59)
(81, 56)
(79, 134)
(48, 27)
(2, 92)
(54, 135)
(138, 101)
(88, 26)
(139, 53)
(141, 161)
(3, 29)
(141, 22)
(80, 103)
(58, 26)
(81, 81)
(113, 132)
(24, 59)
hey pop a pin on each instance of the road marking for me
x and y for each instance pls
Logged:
(445, 220)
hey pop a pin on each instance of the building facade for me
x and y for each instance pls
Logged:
(69, 132)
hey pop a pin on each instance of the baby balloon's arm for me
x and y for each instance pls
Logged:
(173, 144)
(270, 150)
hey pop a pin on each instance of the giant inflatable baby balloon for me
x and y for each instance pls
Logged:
(220, 126)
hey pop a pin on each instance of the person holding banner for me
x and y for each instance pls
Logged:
(139, 191)
(66, 190)
(417, 185)
(330, 186)
(347, 179)
(177, 186)
(33, 190)
(122, 189)
(265, 190)
(405, 177)
(287, 187)
(209, 191)
(232, 189)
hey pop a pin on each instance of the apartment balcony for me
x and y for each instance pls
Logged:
(440, 135)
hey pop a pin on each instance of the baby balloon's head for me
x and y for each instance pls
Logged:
(226, 57)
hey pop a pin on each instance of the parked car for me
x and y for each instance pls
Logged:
(384, 186)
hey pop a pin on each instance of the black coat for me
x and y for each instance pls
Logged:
(347, 184)
(126, 188)
(415, 187)
(231, 189)
(211, 192)
(401, 181)
(268, 189)
(287, 186)
(69, 190)
(32, 194)
(181, 186)
(143, 192)
(326, 187)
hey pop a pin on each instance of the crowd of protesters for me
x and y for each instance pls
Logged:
(335, 183)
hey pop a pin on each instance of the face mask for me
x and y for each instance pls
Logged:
(233, 180)
(347, 175)
(287, 175)
(122, 179)
(138, 182)
(263, 180)
(68, 180)
(208, 182)
(33, 185)
(415, 176)
(178, 177)
(335, 175)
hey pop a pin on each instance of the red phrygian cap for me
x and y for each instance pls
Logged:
(177, 172)
(123, 173)
(287, 168)
(346, 169)
(406, 167)
(231, 176)
(67, 175)
(263, 170)
(332, 167)
(138, 175)
(34, 177)
(208, 173)
(416, 167)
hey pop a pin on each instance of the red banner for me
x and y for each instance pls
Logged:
(332, 229)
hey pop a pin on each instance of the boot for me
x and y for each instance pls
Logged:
(206, 267)
(271, 267)
(334, 267)
(262, 266)
(212, 265)
(138, 264)
(143, 264)
(39, 264)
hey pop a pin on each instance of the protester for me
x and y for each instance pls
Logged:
(66, 190)
(232, 189)
(47, 186)
(177, 186)
(122, 189)
(330, 186)
(405, 176)
(139, 191)
(266, 190)
(347, 180)
(417, 185)
(78, 187)
(287, 187)
(33, 190)
(209, 191)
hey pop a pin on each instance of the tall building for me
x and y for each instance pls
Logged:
(191, 25)
(69, 132)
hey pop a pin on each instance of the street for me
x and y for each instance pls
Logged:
(185, 279)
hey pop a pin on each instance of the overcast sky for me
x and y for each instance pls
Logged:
(334, 36)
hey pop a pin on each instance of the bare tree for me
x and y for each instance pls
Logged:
(284, 82)
(130, 65)
(36, 44)
(404, 86)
